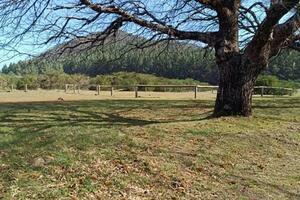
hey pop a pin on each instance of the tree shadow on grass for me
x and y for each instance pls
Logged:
(38, 117)
(103, 114)
(27, 123)
(292, 102)
(46, 115)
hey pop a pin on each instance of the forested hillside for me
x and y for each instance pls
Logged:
(179, 61)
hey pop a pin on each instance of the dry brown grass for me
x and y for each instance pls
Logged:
(53, 95)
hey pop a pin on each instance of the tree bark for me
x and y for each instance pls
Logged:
(236, 86)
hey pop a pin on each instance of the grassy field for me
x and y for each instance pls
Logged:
(121, 149)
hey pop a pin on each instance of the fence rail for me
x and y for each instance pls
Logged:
(262, 90)
(195, 88)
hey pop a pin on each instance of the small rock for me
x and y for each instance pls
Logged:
(38, 162)
(177, 183)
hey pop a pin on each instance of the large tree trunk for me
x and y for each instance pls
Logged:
(235, 88)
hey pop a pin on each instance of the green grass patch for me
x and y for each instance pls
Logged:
(149, 150)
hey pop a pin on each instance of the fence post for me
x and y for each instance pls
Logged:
(66, 88)
(26, 88)
(195, 91)
(262, 91)
(136, 89)
(98, 89)
(78, 89)
(111, 90)
(12, 88)
(74, 88)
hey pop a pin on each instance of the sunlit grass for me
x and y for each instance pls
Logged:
(149, 149)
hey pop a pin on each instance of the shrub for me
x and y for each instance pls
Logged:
(267, 80)
(273, 81)
(30, 80)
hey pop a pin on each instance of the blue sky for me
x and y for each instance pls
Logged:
(13, 57)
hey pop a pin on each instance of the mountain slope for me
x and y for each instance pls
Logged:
(117, 54)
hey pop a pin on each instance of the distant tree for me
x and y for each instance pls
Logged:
(245, 34)
(5, 69)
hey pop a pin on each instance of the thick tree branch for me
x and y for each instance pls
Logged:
(206, 37)
(228, 41)
(284, 35)
(260, 43)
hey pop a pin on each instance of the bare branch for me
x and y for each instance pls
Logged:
(208, 37)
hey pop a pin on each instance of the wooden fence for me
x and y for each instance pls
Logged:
(195, 88)
(75, 88)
